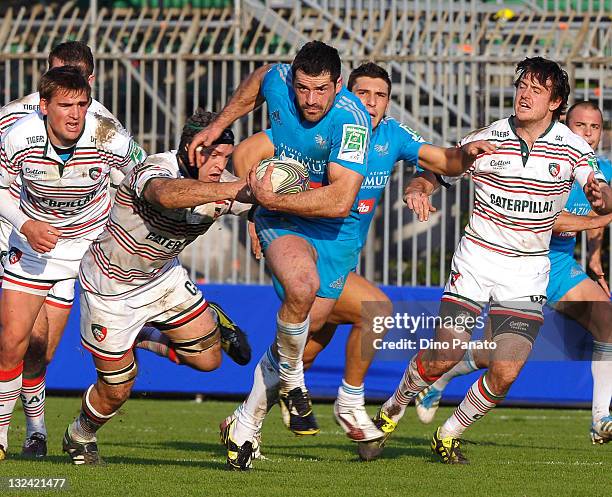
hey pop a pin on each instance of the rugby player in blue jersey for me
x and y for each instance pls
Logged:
(570, 291)
(391, 142)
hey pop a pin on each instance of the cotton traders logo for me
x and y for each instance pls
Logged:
(553, 169)
(99, 332)
(14, 255)
(354, 142)
(95, 173)
(365, 206)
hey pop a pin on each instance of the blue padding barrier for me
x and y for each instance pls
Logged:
(559, 371)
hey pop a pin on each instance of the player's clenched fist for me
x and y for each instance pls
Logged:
(41, 236)
(473, 149)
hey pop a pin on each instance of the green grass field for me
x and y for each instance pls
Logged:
(170, 448)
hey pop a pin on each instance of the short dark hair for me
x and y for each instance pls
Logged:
(542, 70)
(68, 79)
(369, 70)
(587, 104)
(194, 124)
(74, 53)
(316, 58)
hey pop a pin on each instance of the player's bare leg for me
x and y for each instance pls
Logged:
(590, 306)
(18, 311)
(197, 343)
(46, 334)
(293, 261)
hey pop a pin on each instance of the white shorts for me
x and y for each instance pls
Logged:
(479, 276)
(61, 294)
(110, 326)
(31, 272)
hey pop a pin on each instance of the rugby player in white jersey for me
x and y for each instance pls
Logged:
(53, 316)
(64, 156)
(131, 275)
(570, 291)
(520, 189)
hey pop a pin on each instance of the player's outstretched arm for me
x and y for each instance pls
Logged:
(571, 222)
(251, 152)
(246, 98)
(333, 200)
(182, 193)
(452, 161)
(418, 192)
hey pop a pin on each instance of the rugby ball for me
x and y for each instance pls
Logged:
(288, 176)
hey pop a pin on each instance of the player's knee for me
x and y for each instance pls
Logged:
(501, 378)
(208, 360)
(37, 349)
(202, 353)
(302, 293)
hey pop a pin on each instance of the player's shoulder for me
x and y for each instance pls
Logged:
(393, 126)
(497, 130)
(563, 135)
(349, 109)
(278, 75)
(28, 130)
(98, 109)
(165, 161)
(29, 103)
(107, 132)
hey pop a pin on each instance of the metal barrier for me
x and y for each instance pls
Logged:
(451, 63)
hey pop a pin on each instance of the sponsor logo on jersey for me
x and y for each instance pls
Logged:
(275, 116)
(382, 150)
(592, 162)
(518, 325)
(31, 140)
(366, 206)
(554, 169)
(353, 146)
(500, 134)
(518, 205)
(375, 180)
(31, 106)
(454, 276)
(95, 172)
(166, 242)
(559, 138)
(14, 255)
(499, 164)
(33, 173)
(3, 255)
(320, 141)
(99, 332)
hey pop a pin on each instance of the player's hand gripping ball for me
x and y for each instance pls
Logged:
(288, 175)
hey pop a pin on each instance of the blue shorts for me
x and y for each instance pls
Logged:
(335, 258)
(565, 274)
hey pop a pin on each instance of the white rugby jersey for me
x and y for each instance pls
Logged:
(72, 196)
(141, 240)
(518, 193)
(15, 110)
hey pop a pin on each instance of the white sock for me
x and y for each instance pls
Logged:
(412, 383)
(290, 341)
(83, 429)
(465, 366)
(10, 387)
(264, 393)
(478, 401)
(350, 396)
(601, 369)
(33, 400)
